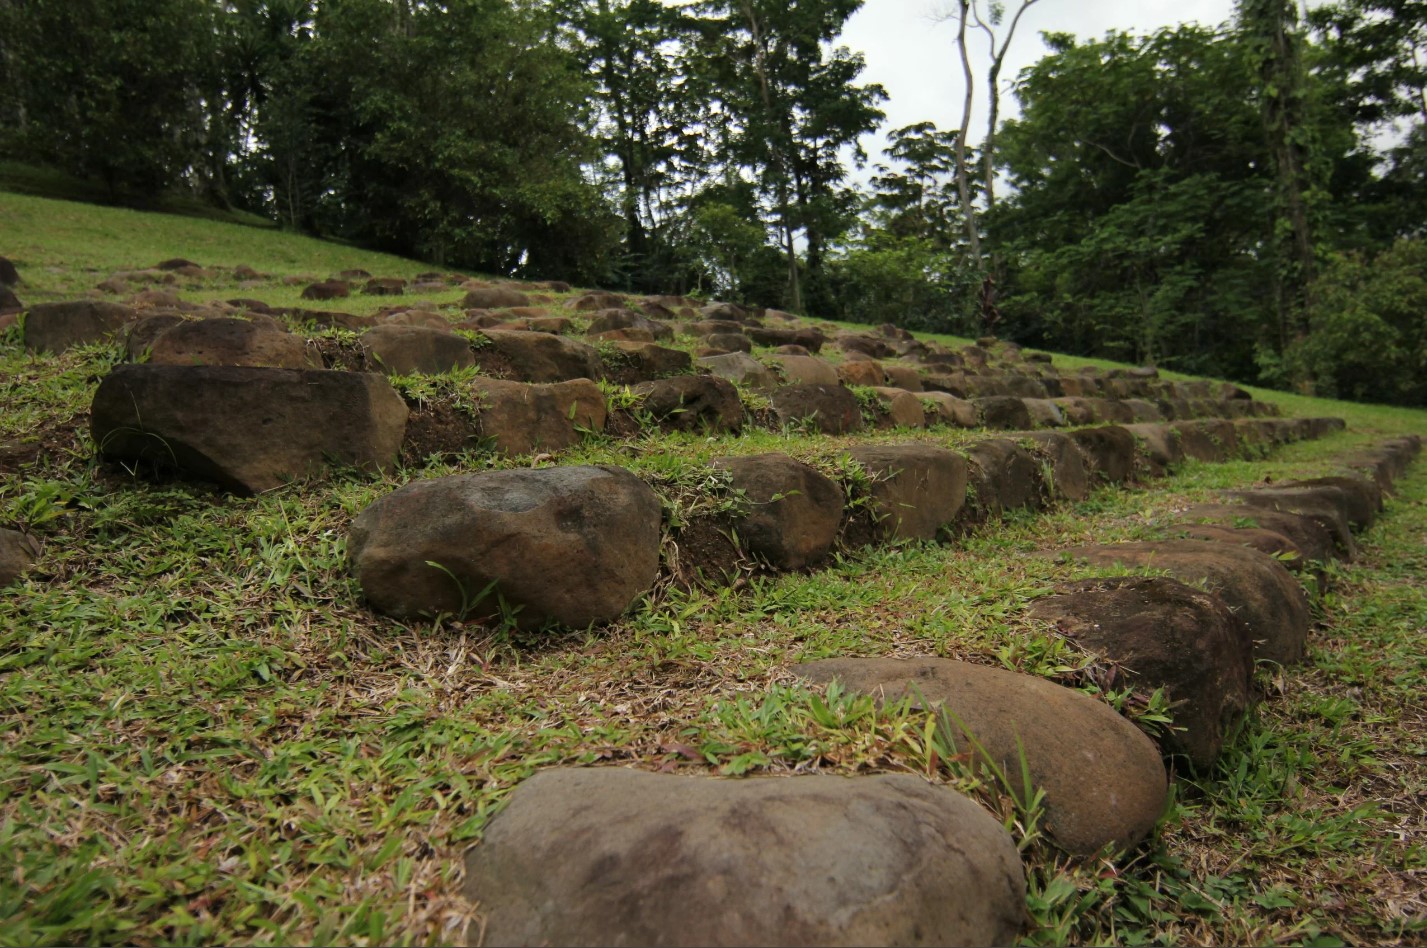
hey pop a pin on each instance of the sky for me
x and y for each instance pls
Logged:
(914, 56)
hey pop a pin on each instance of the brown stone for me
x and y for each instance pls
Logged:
(790, 513)
(1103, 778)
(55, 327)
(917, 489)
(229, 341)
(692, 403)
(831, 409)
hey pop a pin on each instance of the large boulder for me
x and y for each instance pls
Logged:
(523, 418)
(830, 409)
(568, 545)
(1103, 778)
(18, 552)
(250, 429)
(55, 327)
(608, 856)
(790, 513)
(1257, 587)
(917, 489)
(398, 349)
(692, 403)
(229, 341)
(538, 357)
(1161, 633)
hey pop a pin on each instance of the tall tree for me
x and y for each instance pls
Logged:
(789, 105)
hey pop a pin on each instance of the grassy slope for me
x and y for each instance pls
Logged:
(206, 737)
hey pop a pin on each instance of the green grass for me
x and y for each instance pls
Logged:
(206, 737)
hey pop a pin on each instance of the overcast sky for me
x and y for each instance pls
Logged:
(915, 59)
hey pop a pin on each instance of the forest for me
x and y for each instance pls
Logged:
(1243, 200)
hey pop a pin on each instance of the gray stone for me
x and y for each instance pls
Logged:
(55, 327)
(568, 545)
(609, 856)
(250, 429)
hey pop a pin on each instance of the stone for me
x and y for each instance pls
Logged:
(633, 362)
(730, 312)
(230, 341)
(611, 319)
(9, 303)
(950, 410)
(1210, 439)
(539, 356)
(144, 332)
(598, 300)
(1274, 544)
(1069, 471)
(806, 370)
(1305, 534)
(905, 377)
(729, 341)
(422, 318)
(493, 297)
(9, 275)
(1110, 450)
(917, 489)
(1103, 778)
(1161, 633)
(1005, 412)
(249, 429)
(1003, 476)
(639, 858)
(18, 553)
(1359, 497)
(693, 403)
(397, 349)
(327, 290)
(1157, 445)
(865, 373)
(1044, 413)
(790, 513)
(875, 346)
(574, 546)
(902, 409)
(55, 327)
(831, 409)
(1257, 587)
(810, 339)
(1324, 507)
(385, 286)
(177, 263)
(523, 418)
(741, 369)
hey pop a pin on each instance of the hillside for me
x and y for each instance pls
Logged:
(321, 555)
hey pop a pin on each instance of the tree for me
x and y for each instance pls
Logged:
(787, 106)
(107, 89)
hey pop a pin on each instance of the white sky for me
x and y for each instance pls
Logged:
(915, 59)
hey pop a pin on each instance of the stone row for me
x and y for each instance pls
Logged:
(651, 858)
(579, 545)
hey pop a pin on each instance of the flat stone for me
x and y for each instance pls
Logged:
(408, 349)
(917, 489)
(637, 858)
(540, 357)
(831, 409)
(790, 514)
(1103, 778)
(1257, 587)
(250, 429)
(56, 327)
(741, 369)
(525, 418)
(229, 341)
(693, 403)
(1161, 633)
(573, 546)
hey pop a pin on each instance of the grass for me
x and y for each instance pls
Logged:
(208, 738)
